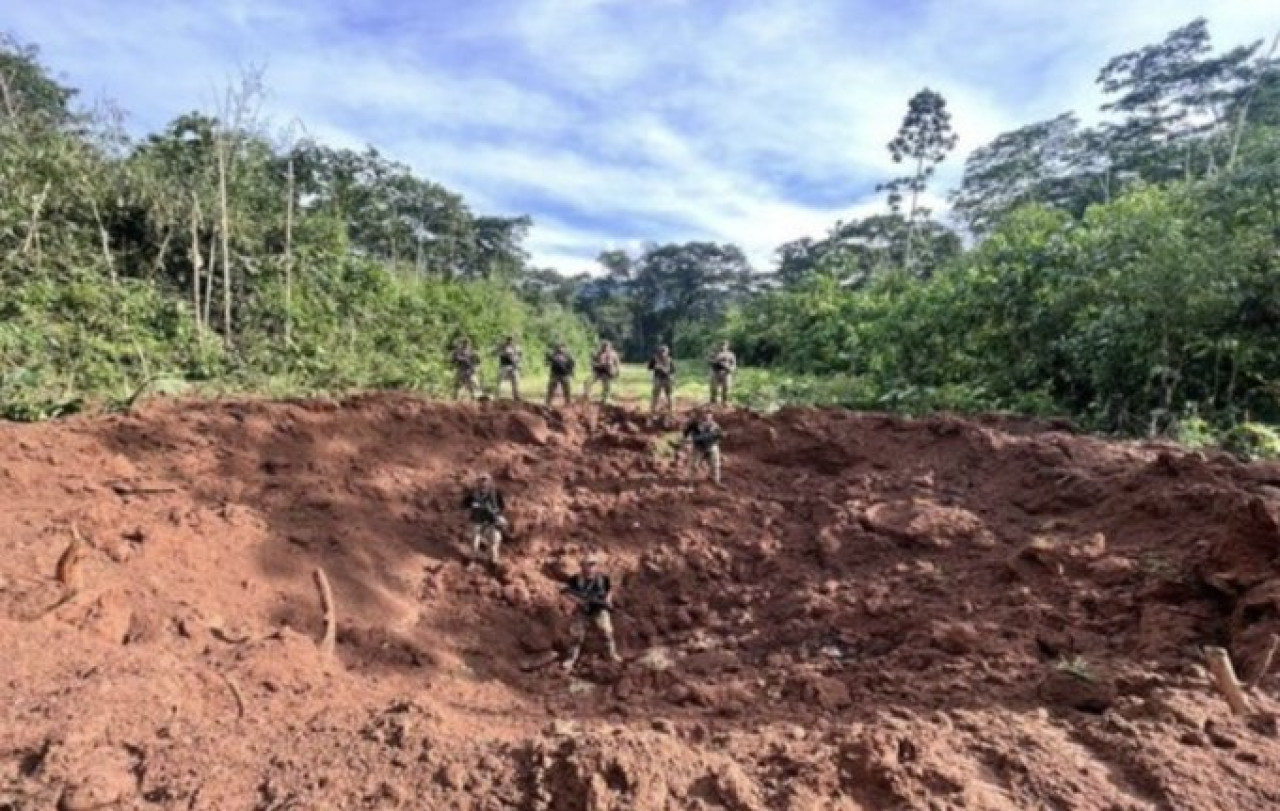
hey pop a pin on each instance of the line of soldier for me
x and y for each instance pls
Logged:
(591, 590)
(606, 366)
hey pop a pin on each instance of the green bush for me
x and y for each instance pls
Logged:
(1155, 301)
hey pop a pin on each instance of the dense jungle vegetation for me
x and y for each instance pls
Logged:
(1125, 273)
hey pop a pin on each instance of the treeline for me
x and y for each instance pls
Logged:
(218, 251)
(1126, 274)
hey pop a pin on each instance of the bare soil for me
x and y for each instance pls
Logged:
(874, 613)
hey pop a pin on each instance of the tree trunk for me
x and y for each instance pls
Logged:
(911, 216)
(209, 274)
(104, 238)
(288, 260)
(33, 228)
(1243, 117)
(197, 263)
(226, 246)
(162, 253)
(7, 95)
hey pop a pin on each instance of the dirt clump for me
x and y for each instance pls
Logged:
(874, 613)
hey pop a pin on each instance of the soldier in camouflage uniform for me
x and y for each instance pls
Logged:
(702, 440)
(465, 364)
(723, 364)
(605, 366)
(509, 359)
(663, 367)
(591, 590)
(484, 505)
(560, 366)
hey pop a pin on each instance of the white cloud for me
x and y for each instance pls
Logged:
(612, 122)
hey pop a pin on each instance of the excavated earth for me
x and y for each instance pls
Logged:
(874, 613)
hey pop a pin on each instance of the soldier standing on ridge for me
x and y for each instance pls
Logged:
(723, 364)
(591, 590)
(465, 362)
(485, 506)
(509, 359)
(605, 366)
(702, 439)
(560, 366)
(663, 367)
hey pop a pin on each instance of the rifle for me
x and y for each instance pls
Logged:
(586, 603)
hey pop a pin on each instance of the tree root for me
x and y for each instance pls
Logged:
(235, 692)
(330, 639)
(1225, 679)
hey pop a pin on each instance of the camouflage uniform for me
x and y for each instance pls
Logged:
(591, 590)
(485, 505)
(604, 369)
(663, 367)
(509, 359)
(703, 436)
(465, 362)
(560, 364)
(723, 365)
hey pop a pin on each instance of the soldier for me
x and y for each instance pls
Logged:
(723, 365)
(590, 590)
(663, 367)
(509, 359)
(465, 362)
(485, 505)
(702, 440)
(605, 366)
(560, 364)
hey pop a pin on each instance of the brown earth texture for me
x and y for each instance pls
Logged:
(873, 613)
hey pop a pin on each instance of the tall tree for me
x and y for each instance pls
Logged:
(922, 142)
(1047, 162)
(1167, 96)
(27, 91)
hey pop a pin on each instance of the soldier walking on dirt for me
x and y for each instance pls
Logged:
(465, 363)
(702, 440)
(509, 359)
(605, 367)
(485, 506)
(663, 367)
(560, 365)
(723, 364)
(591, 590)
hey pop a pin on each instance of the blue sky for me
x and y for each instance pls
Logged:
(615, 122)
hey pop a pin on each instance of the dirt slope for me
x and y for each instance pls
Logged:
(875, 614)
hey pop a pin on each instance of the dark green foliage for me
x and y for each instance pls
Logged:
(1047, 162)
(859, 250)
(672, 294)
(1128, 276)
(1150, 308)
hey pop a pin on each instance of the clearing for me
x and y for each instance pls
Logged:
(877, 613)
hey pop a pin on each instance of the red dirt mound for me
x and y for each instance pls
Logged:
(874, 613)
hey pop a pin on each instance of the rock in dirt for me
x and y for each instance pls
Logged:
(956, 638)
(452, 776)
(103, 780)
(528, 429)
(1113, 570)
(824, 691)
(1093, 693)
(927, 523)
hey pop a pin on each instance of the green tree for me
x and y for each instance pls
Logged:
(1170, 96)
(923, 141)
